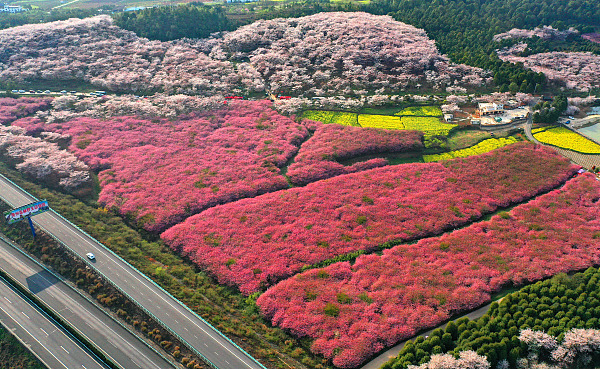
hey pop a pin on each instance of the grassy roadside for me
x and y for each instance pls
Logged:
(14, 355)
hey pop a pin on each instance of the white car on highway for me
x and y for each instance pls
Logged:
(90, 256)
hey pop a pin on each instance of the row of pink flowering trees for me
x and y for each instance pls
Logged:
(354, 310)
(255, 242)
(11, 109)
(162, 170)
(318, 157)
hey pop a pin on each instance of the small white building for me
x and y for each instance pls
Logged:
(490, 108)
(11, 9)
(448, 117)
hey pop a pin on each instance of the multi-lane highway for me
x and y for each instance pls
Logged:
(116, 342)
(55, 348)
(191, 329)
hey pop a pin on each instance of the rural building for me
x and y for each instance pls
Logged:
(490, 108)
(448, 117)
(11, 9)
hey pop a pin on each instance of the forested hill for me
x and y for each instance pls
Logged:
(463, 29)
(172, 22)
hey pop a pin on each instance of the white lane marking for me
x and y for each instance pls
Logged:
(10, 302)
(124, 267)
(42, 329)
(36, 340)
(26, 316)
(64, 349)
(102, 323)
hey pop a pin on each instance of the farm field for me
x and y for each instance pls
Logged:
(564, 138)
(331, 117)
(161, 171)
(422, 111)
(380, 121)
(482, 147)
(463, 139)
(255, 242)
(355, 310)
(429, 125)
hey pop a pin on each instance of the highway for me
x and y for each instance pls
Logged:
(193, 331)
(117, 343)
(55, 348)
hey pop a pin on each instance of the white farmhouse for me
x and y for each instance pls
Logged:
(490, 108)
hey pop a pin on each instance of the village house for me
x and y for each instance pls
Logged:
(490, 108)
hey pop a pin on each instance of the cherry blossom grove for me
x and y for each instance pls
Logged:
(331, 52)
(318, 157)
(162, 171)
(158, 105)
(96, 51)
(574, 70)
(255, 242)
(579, 346)
(466, 360)
(354, 310)
(42, 159)
(545, 32)
(11, 109)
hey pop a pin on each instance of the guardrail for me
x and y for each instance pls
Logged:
(57, 276)
(165, 326)
(55, 318)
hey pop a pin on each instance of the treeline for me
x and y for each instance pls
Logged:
(8, 20)
(463, 29)
(13, 355)
(549, 112)
(166, 23)
(554, 306)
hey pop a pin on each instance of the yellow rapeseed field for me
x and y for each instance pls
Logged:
(482, 147)
(567, 139)
(428, 125)
(380, 121)
(432, 111)
(331, 117)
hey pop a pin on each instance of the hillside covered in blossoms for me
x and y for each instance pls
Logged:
(350, 53)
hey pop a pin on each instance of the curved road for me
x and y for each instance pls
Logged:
(192, 330)
(117, 343)
(54, 348)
